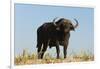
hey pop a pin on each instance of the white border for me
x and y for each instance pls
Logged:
(75, 3)
(78, 3)
(12, 35)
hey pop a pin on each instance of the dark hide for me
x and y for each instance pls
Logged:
(53, 35)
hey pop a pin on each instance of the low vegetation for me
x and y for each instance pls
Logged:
(26, 58)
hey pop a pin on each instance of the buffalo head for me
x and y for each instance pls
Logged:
(65, 25)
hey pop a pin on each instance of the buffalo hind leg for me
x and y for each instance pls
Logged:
(39, 45)
(45, 45)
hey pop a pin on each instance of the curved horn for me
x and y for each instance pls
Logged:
(76, 23)
(54, 20)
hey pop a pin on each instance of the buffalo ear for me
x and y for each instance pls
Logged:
(56, 26)
(72, 28)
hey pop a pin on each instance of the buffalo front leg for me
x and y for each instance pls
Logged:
(65, 49)
(57, 49)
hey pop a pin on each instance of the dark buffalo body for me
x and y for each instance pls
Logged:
(53, 34)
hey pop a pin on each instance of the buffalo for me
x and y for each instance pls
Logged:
(53, 34)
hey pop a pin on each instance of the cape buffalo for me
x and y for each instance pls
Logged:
(53, 34)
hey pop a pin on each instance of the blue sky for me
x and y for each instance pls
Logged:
(28, 17)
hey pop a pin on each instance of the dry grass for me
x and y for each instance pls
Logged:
(26, 58)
